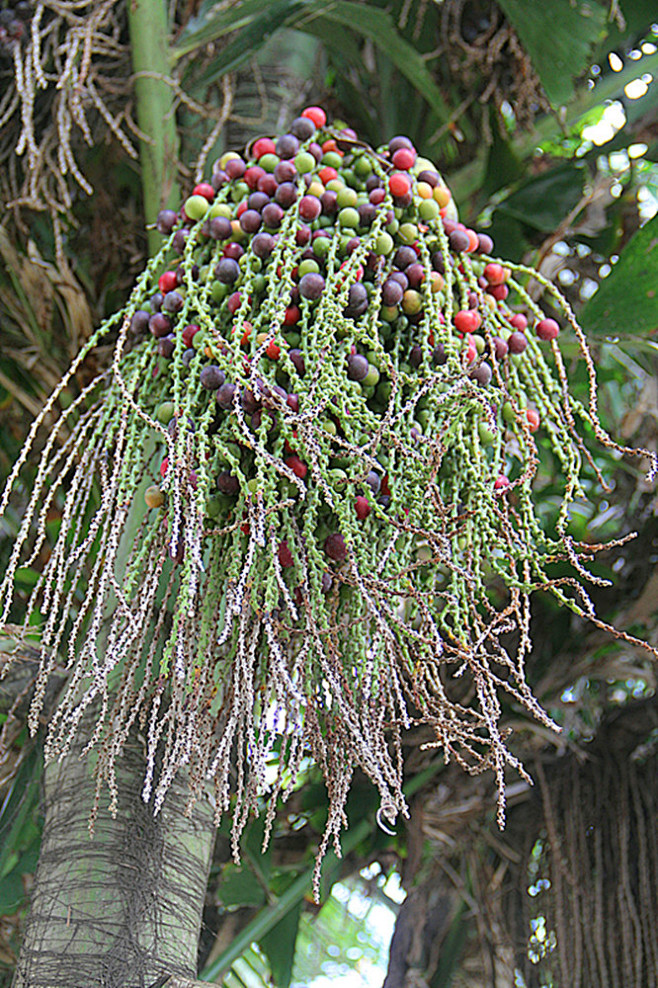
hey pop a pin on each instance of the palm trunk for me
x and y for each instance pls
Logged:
(122, 909)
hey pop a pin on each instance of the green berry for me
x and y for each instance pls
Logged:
(383, 244)
(345, 197)
(164, 413)
(348, 217)
(196, 207)
(304, 162)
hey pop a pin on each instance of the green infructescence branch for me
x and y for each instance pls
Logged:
(152, 63)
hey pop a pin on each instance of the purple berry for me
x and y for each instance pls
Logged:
(392, 292)
(459, 241)
(285, 195)
(220, 228)
(166, 221)
(166, 346)
(227, 271)
(250, 221)
(272, 215)
(287, 146)
(262, 245)
(335, 548)
(228, 483)
(297, 358)
(311, 286)
(139, 322)
(212, 378)
(357, 367)
(160, 325)
(172, 302)
(224, 396)
(303, 128)
(357, 301)
(517, 342)
(482, 374)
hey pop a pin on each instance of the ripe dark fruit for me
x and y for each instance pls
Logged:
(172, 302)
(166, 221)
(297, 358)
(311, 286)
(160, 325)
(303, 128)
(362, 507)
(219, 228)
(517, 342)
(211, 378)
(335, 548)
(482, 374)
(357, 367)
(459, 241)
(357, 301)
(139, 322)
(547, 329)
(224, 395)
(285, 555)
(228, 483)
(227, 271)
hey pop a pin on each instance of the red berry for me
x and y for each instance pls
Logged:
(285, 555)
(404, 158)
(253, 174)
(495, 274)
(471, 352)
(467, 321)
(164, 466)
(499, 292)
(335, 548)
(547, 329)
(533, 419)
(326, 174)
(233, 303)
(167, 282)
(399, 184)
(273, 351)
(292, 316)
(519, 321)
(297, 466)
(362, 507)
(188, 334)
(264, 145)
(501, 483)
(242, 208)
(316, 114)
(204, 189)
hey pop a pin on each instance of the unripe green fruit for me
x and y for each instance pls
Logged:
(371, 379)
(309, 266)
(383, 244)
(346, 197)
(164, 413)
(408, 233)
(486, 434)
(154, 497)
(196, 207)
(304, 162)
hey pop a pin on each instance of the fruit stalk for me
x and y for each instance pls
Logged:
(154, 94)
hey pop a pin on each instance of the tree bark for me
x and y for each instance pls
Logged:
(121, 909)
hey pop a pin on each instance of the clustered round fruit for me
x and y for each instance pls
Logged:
(310, 223)
(333, 399)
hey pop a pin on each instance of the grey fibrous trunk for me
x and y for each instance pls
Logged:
(122, 908)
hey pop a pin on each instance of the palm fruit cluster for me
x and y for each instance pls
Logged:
(298, 505)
